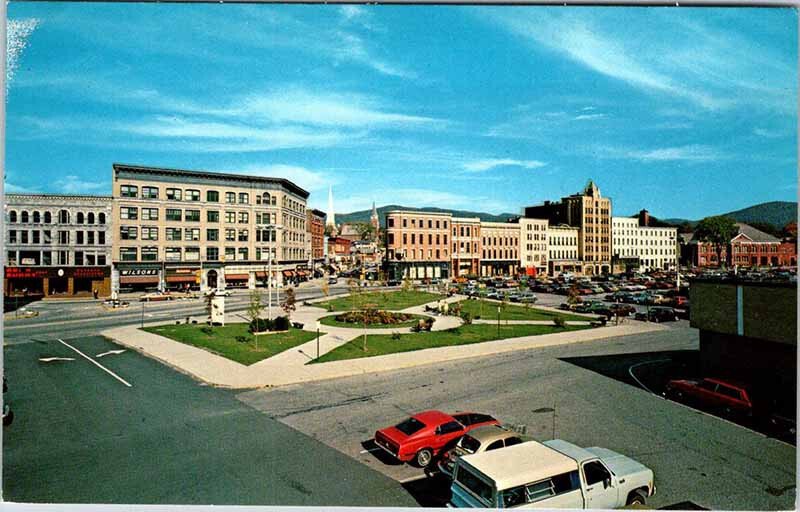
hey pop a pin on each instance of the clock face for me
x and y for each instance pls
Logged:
(61, 272)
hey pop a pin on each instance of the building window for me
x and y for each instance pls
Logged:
(149, 213)
(48, 218)
(128, 213)
(230, 235)
(390, 222)
(101, 218)
(128, 253)
(79, 235)
(230, 197)
(192, 195)
(173, 234)
(173, 214)
(174, 194)
(212, 253)
(125, 233)
(149, 253)
(212, 196)
(243, 235)
(244, 198)
(63, 237)
(23, 237)
(63, 217)
(230, 217)
(243, 253)
(36, 218)
(149, 193)
(230, 254)
(12, 236)
(192, 215)
(212, 235)
(191, 234)
(128, 191)
(149, 233)
(101, 238)
(212, 216)
(244, 217)
(191, 254)
(172, 254)
(12, 216)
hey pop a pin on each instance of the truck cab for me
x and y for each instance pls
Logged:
(552, 474)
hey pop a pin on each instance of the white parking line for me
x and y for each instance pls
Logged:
(630, 371)
(413, 479)
(377, 449)
(97, 364)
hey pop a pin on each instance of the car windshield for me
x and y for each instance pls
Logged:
(469, 444)
(410, 426)
(471, 482)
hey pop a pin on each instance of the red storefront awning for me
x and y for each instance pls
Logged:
(181, 279)
(237, 277)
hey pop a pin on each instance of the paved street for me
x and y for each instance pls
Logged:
(80, 435)
(696, 457)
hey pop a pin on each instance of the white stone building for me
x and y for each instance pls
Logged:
(562, 250)
(533, 245)
(640, 248)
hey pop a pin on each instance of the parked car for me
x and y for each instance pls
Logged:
(393, 282)
(527, 298)
(722, 395)
(333, 280)
(552, 474)
(514, 296)
(218, 293)
(423, 436)
(482, 439)
(622, 309)
(585, 307)
(658, 314)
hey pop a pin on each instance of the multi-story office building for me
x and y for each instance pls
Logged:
(533, 245)
(186, 229)
(562, 250)
(466, 250)
(58, 245)
(499, 248)
(637, 246)
(316, 233)
(417, 244)
(590, 212)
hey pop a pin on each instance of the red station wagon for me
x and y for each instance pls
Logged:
(712, 393)
(423, 436)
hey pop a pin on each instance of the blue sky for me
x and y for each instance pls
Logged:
(687, 112)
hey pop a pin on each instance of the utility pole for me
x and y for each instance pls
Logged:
(143, 314)
(269, 288)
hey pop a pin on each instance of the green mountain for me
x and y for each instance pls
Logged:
(774, 213)
(363, 216)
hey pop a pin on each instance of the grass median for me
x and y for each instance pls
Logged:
(487, 310)
(387, 300)
(222, 340)
(382, 344)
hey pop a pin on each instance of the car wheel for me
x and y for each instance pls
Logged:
(423, 457)
(636, 498)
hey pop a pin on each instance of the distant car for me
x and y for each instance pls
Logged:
(527, 298)
(393, 282)
(514, 296)
(658, 314)
(622, 309)
(218, 293)
(423, 436)
(333, 280)
(722, 395)
(482, 439)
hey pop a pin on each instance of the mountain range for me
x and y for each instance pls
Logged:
(775, 213)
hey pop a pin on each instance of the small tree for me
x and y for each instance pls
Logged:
(573, 297)
(325, 289)
(504, 304)
(407, 285)
(288, 304)
(355, 293)
(717, 230)
(254, 309)
(209, 300)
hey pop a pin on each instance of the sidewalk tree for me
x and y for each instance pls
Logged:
(289, 302)
(254, 309)
(573, 297)
(209, 305)
(717, 230)
(408, 285)
(355, 293)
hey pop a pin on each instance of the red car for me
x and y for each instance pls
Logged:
(728, 397)
(423, 436)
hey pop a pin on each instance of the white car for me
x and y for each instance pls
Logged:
(219, 293)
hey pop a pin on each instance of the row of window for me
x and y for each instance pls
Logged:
(178, 215)
(181, 253)
(751, 248)
(648, 252)
(462, 247)
(63, 217)
(503, 254)
(646, 232)
(62, 237)
(178, 194)
(537, 236)
(193, 234)
(636, 241)
(439, 224)
(561, 254)
(48, 258)
(487, 241)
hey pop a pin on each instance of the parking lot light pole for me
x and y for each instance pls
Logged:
(498, 320)
(317, 339)
(143, 314)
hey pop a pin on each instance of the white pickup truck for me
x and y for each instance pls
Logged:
(552, 474)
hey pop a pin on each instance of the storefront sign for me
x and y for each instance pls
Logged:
(26, 273)
(90, 272)
(131, 272)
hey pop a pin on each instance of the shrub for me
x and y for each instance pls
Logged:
(260, 325)
(396, 336)
(242, 339)
(559, 322)
(466, 316)
(207, 330)
(281, 323)
(476, 317)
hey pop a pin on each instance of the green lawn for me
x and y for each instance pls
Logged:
(513, 311)
(382, 344)
(391, 300)
(331, 320)
(222, 340)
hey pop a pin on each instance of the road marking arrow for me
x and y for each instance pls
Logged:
(51, 359)
(110, 352)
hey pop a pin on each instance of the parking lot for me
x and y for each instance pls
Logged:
(570, 392)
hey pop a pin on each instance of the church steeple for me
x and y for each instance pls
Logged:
(374, 220)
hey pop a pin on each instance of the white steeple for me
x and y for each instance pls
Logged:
(330, 221)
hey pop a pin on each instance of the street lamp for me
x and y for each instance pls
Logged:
(498, 320)
(317, 339)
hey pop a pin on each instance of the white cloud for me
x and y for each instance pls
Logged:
(306, 178)
(768, 134)
(588, 117)
(490, 163)
(72, 184)
(17, 36)
(350, 12)
(350, 47)
(690, 153)
(10, 188)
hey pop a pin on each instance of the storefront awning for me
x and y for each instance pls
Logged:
(288, 273)
(138, 280)
(237, 277)
(181, 279)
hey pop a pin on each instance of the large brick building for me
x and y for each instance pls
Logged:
(466, 235)
(749, 248)
(417, 244)
(499, 248)
(316, 231)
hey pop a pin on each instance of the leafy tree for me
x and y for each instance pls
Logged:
(790, 231)
(366, 231)
(254, 309)
(766, 227)
(717, 230)
(288, 305)
(408, 285)
(355, 293)
(209, 300)
(573, 297)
